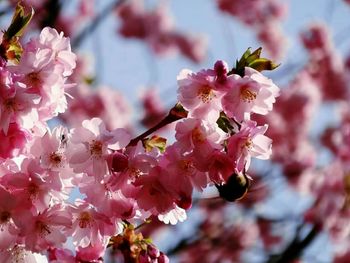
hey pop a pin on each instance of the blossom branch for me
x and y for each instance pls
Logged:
(175, 114)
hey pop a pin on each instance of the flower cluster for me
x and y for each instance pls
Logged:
(120, 180)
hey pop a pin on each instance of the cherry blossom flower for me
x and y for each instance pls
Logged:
(9, 204)
(50, 149)
(253, 93)
(199, 95)
(16, 105)
(156, 193)
(249, 142)
(202, 136)
(42, 230)
(14, 141)
(90, 146)
(90, 227)
(31, 183)
(49, 38)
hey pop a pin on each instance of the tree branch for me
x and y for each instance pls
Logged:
(296, 247)
(76, 42)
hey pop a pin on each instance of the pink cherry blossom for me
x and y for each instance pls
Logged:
(249, 142)
(9, 204)
(89, 227)
(200, 135)
(16, 105)
(31, 183)
(43, 230)
(60, 45)
(91, 253)
(18, 253)
(198, 94)
(156, 192)
(91, 145)
(50, 149)
(14, 141)
(254, 93)
(105, 103)
(183, 171)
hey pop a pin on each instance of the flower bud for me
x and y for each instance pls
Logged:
(144, 257)
(152, 251)
(119, 162)
(163, 258)
(221, 69)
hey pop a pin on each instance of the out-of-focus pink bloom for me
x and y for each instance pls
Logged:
(156, 28)
(302, 156)
(230, 241)
(325, 66)
(269, 239)
(104, 103)
(345, 256)
(153, 107)
(240, 9)
(316, 38)
(191, 46)
(273, 40)
(331, 207)
(263, 16)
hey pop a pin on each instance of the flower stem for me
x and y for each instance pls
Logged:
(175, 114)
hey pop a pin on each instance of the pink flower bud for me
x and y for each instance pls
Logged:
(185, 202)
(119, 162)
(144, 257)
(153, 252)
(163, 258)
(221, 68)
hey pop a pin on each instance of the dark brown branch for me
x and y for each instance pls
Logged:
(296, 247)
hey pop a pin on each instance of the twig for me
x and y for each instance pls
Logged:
(95, 23)
(176, 113)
